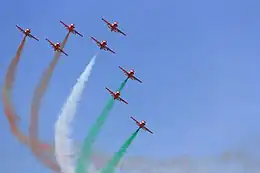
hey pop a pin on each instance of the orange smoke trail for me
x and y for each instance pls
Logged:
(35, 107)
(6, 97)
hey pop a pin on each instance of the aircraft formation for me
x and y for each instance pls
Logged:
(41, 150)
(113, 27)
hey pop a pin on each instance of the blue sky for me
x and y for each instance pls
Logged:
(199, 61)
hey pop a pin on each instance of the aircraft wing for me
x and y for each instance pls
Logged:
(30, 35)
(95, 40)
(135, 78)
(120, 99)
(123, 70)
(106, 22)
(21, 29)
(78, 33)
(145, 128)
(63, 52)
(118, 30)
(111, 92)
(64, 24)
(50, 41)
(107, 48)
(135, 120)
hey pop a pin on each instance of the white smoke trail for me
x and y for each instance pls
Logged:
(64, 148)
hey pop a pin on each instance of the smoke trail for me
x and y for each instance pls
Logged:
(84, 157)
(35, 106)
(227, 162)
(112, 164)
(63, 142)
(7, 97)
(83, 160)
(121, 87)
(230, 161)
(7, 92)
(245, 159)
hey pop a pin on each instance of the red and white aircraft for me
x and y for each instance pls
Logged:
(102, 45)
(130, 74)
(142, 125)
(56, 47)
(71, 28)
(27, 32)
(116, 95)
(113, 26)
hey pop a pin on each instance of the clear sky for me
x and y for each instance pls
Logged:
(199, 62)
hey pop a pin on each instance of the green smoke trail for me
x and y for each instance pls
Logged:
(84, 157)
(112, 164)
(122, 85)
